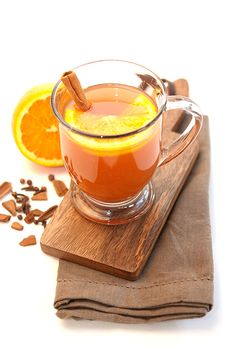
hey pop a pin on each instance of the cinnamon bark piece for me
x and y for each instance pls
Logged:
(29, 218)
(59, 187)
(10, 206)
(4, 217)
(40, 196)
(36, 212)
(17, 226)
(28, 241)
(5, 188)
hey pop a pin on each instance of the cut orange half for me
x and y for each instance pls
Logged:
(35, 128)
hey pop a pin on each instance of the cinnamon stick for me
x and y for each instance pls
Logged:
(73, 86)
(47, 214)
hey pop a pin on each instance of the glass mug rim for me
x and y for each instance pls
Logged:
(91, 135)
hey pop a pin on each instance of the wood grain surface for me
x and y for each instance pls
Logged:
(120, 250)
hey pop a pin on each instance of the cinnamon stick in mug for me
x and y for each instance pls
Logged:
(75, 89)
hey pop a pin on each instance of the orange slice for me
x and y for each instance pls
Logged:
(35, 128)
(140, 112)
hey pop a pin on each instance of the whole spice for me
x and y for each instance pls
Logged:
(59, 187)
(51, 177)
(26, 208)
(17, 226)
(24, 200)
(28, 241)
(5, 188)
(42, 189)
(20, 197)
(40, 196)
(10, 205)
(30, 189)
(4, 217)
(20, 205)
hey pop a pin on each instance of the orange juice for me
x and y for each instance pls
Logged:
(114, 164)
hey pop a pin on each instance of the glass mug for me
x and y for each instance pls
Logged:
(111, 174)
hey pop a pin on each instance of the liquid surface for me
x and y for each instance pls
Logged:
(116, 109)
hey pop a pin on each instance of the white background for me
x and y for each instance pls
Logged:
(41, 39)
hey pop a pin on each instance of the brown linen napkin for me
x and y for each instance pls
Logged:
(177, 281)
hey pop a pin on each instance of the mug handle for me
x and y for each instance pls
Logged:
(189, 134)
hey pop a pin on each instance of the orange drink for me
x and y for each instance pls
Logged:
(111, 169)
(112, 149)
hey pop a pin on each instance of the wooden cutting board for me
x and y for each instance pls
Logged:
(119, 250)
